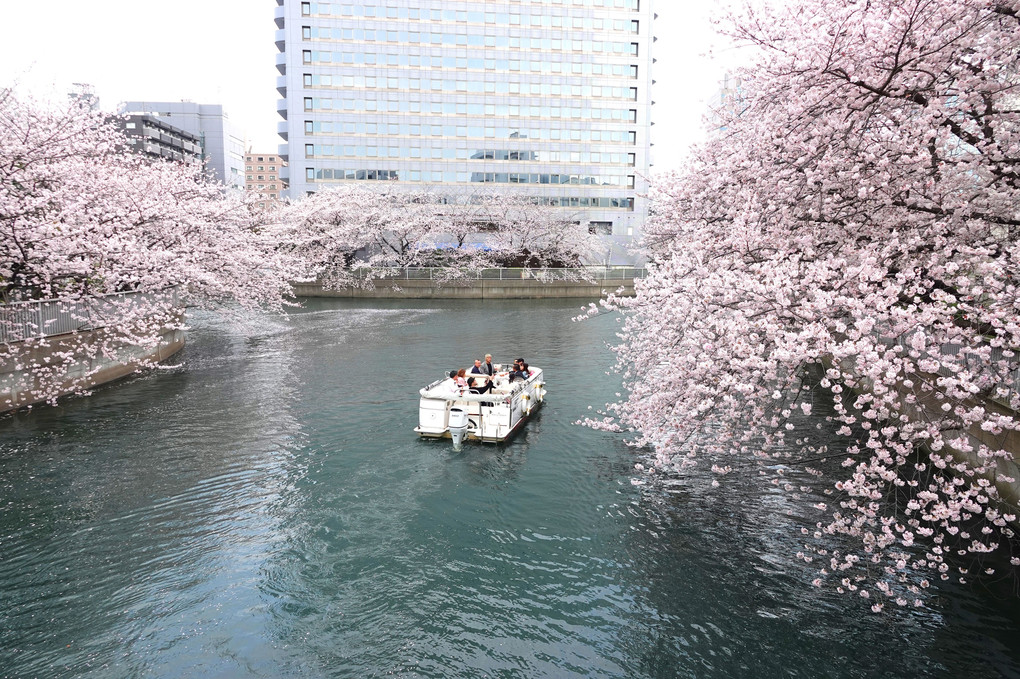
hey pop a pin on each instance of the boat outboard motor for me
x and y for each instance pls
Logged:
(458, 426)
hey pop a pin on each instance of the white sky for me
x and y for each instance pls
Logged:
(223, 52)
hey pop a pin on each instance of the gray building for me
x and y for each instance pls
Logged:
(545, 97)
(156, 138)
(221, 141)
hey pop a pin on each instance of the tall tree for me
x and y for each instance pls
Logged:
(82, 216)
(855, 217)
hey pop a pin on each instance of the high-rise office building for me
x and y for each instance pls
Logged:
(546, 97)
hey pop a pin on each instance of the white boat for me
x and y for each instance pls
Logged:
(489, 418)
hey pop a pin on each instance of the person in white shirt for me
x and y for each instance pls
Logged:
(449, 386)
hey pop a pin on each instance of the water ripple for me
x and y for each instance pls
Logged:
(263, 510)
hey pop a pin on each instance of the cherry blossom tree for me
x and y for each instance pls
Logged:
(528, 231)
(352, 235)
(846, 244)
(82, 216)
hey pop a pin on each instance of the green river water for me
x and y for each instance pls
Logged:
(264, 509)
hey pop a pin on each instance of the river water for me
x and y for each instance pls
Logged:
(264, 509)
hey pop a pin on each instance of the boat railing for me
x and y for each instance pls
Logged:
(516, 387)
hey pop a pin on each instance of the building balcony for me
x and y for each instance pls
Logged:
(282, 129)
(281, 108)
(280, 15)
(281, 85)
(281, 39)
(281, 63)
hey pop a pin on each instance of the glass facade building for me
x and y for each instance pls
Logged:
(545, 97)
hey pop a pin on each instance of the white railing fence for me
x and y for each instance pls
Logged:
(20, 321)
(598, 273)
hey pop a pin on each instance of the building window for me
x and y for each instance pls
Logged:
(306, 56)
(601, 228)
(308, 103)
(306, 32)
(309, 127)
(306, 8)
(310, 174)
(308, 79)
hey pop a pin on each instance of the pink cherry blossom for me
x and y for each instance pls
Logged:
(850, 233)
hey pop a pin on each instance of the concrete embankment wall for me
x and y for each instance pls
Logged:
(489, 289)
(20, 384)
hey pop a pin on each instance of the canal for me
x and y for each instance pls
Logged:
(264, 509)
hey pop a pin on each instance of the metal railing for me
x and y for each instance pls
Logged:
(20, 321)
(598, 273)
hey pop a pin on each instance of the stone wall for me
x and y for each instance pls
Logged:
(484, 288)
(19, 386)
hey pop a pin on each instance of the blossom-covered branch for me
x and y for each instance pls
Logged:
(847, 242)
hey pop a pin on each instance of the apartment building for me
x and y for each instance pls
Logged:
(157, 139)
(221, 141)
(262, 175)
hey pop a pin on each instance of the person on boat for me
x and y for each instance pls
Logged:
(449, 386)
(516, 372)
(477, 369)
(479, 385)
(461, 379)
(488, 368)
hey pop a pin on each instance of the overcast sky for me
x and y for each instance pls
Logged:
(223, 52)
